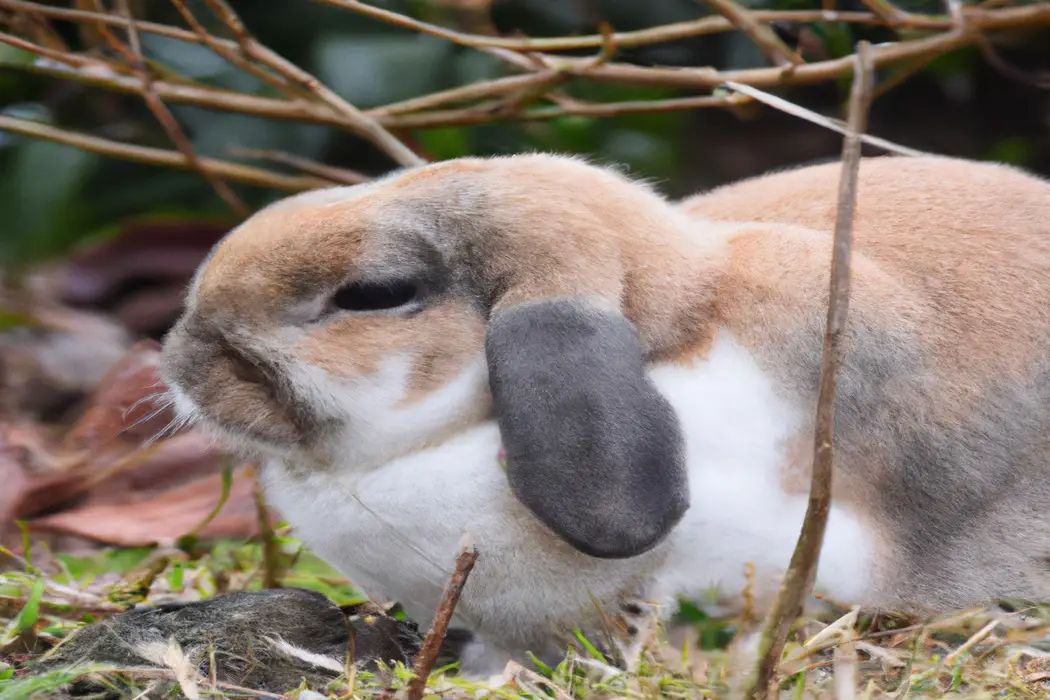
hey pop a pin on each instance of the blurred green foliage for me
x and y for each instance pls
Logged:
(54, 198)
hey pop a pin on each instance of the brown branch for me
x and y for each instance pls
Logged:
(222, 49)
(428, 653)
(388, 116)
(820, 120)
(339, 112)
(486, 115)
(765, 38)
(1028, 16)
(355, 119)
(157, 156)
(892, 15)
(798, 582)
(341, 176)
(58, 56)
(643, 37)
(163, 114)
(632, 39)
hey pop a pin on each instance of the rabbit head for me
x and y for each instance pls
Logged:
(380, 318)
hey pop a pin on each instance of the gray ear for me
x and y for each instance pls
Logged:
(593, 450)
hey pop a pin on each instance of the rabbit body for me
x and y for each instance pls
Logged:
(395, 530)
(651, 370)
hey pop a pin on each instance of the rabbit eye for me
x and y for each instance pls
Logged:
(374, 297)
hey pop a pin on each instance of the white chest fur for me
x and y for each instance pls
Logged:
(394, 530)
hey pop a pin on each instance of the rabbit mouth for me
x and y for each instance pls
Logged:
(236, 394)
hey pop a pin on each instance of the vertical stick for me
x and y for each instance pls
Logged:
(428, 654)
(801, 574)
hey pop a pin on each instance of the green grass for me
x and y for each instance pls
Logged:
(953, 657)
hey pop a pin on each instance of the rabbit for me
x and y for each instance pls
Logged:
(613, 393)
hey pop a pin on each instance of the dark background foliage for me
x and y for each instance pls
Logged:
(56, 199)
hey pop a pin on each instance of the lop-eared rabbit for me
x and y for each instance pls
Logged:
(649, 369)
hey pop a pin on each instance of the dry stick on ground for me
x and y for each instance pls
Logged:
(428, 653)
(798, 582)
(246, 174)
(167, 120)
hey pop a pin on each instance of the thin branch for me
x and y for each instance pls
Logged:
(222, 49)
(765, 38)
(69, 59)
(798, 582)
(306, 111)
(428, 653)
(488, 115)
(234, 172)
(632, 39)
(819, 119)
(464, 93)
(166, 118)
(303, 111)
(655, 35)
(357, 120)
(1029, 16)
(341, 176)
(892, 15)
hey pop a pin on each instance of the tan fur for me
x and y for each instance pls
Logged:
(990, 327)
(443, 341)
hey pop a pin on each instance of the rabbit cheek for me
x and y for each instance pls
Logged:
(403, 382)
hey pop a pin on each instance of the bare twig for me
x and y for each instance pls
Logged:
(428, 653)
(166, 118)
(819, 119)
(157, 156)
(341, 176)
(223, 49)
(798, 582)
(402, 115)
(632, 39)
(765, 38)
(482, 115)
(655, 35)
(55, 55)
(892, 15)
(970, 643)
(357, 120)
(1037, 15)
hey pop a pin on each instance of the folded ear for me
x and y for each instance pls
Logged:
(592, 449)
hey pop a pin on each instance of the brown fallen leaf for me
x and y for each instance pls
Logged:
(163, 518)
(124, 474)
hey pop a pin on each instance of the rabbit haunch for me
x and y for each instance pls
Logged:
(704, 318)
